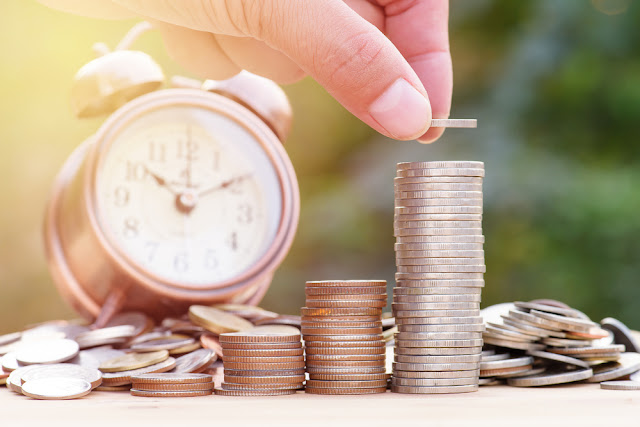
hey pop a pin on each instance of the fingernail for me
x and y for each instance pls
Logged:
(402, 111)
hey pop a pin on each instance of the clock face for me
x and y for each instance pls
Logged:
(188, 195)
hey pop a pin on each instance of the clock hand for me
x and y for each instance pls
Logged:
(161, 181)
(224, 184)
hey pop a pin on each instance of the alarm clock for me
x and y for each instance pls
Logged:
(184, 195)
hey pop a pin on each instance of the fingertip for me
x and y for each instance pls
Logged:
(432, 135)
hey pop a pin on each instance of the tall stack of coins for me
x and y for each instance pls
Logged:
(342, 330)
(440, 263)
(261, 364)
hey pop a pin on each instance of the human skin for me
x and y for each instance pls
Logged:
(386, 61)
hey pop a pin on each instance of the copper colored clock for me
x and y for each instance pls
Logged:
(184, 195)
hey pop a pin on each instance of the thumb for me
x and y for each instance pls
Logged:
(350, 57)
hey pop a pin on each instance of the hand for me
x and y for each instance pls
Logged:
(223, 185)
(161, 181)
(378, 58)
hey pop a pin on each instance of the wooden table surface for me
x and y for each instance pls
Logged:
(569, 405)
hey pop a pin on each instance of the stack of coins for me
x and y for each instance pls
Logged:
(342, 330)
(261, 364)
(172, 385)
(440, 263)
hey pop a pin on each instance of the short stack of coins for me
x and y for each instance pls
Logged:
(342, 330)
(261, 364)
(439, 279)
(172, 385)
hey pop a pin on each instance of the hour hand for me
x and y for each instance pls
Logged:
(224, 184)
(161, 181)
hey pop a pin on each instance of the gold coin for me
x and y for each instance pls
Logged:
(124, 377)
(262, 346)
(133, 361)
(173, 387)
(258, 337)
(189, 348)
(331, 312)
(217, 321)
(307, 331)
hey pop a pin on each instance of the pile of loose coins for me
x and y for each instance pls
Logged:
(262, 363)
(440, 267)
(342, 330)
(539, 343)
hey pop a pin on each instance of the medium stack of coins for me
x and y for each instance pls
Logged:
(261, 364)
(342, 330)
(172, 385)
(440, 262)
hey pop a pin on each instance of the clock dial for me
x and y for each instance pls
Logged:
(188, 195)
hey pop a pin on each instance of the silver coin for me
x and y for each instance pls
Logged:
(513, 344)
(401, 277)
(412, 210)
(438, 180)
(620, 385)
(435, 390)
(558, 358)
(442, 269)
(577, 351)
(517, 336)
(569, 323)
(435, 194)
(499, 336)
(428, 359)
(533, 334)
(438, 202)
(432, 231)
(628, 364)
(524, 373)
(10, 338)
(466, 320)
(400, 218)
(479, 172)
(621, 333)
(551, 378)
(436, 186)
(56, 388)
(14, 381)
(437, 351)
(495, 356)
(560, 342)
(422, 382)
(439, 261)
(440, 254)
(435, 374)
(465, 305)
(434, 366)
(403, 240)
(439, 343)
(64, 370)
(436, 224)
(534, 320)
(437, 164)
(489, 381)
(506, 363)
(568, 312)
(439, 286)
(436, 313)
(402, 336)
(47, 351)
(475, 298)
(529, 327)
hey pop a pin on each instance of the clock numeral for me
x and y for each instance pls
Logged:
(131, 226)
(245, 214)
(157, 152)
(151, 248)
(188, 150)
(121, 197)
(233, 241)
(210, 259)
(135, 171)
(181, 262)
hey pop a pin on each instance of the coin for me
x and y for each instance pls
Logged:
(431, 382)
(263, 372)
(259, 336)
(223, 392)
(434, 390)
(471, 287)
(480, 268)
(440, 254)
(345, 391)
(428, 336)
(465, 320)
(588, 350)
(559, 358)
(245, 311)
(506, 363)
(262, 359)
(126, 387)
(341, 363)
(514, 344)
(14, 380)
(438, 351)
(275, 379)
(312, 358)
(258, 386)
(517, 371)
(140, 321)
(189, 348)
(256, 346)
(171, 378)
(275, 366)
(438, 261)
(411, 210)
(104, 336)
(461, 305)
(494, 356)
(351, 377)
(551, 378)
(442, 246)
(405, 278)
(195, 393)
(435, 194)
(217, 321)
(340, 319)
(441, 172)
(313, 303)
(429, 359)
(47, 351)
(621, 333)
(400, 366)
(56, 388)
(284, 319)
(436, 313)
(163, 343)
(445, 239)
(347, 384)
(438, 299)
(331, 312)
(347, 291)
(344, 324)
(64, 370)
(409, 202)
(436, 186)
(10, 338)
(264, 353)
(173, 386)
(132, 361)
(441, 164)
(629, 363)
(435, 374)
(346, 283)
(124, 377)
(195, 361)
(620, 385)
(340, 338)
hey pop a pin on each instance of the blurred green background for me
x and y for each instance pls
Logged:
(555, 86)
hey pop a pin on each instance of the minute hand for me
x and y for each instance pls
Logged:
(223, 185)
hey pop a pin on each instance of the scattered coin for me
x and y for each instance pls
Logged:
(217, 321)
(56, 388)
(64, 370)
(620, 385)
(551, 378)
(621, 333)
(47, 351)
